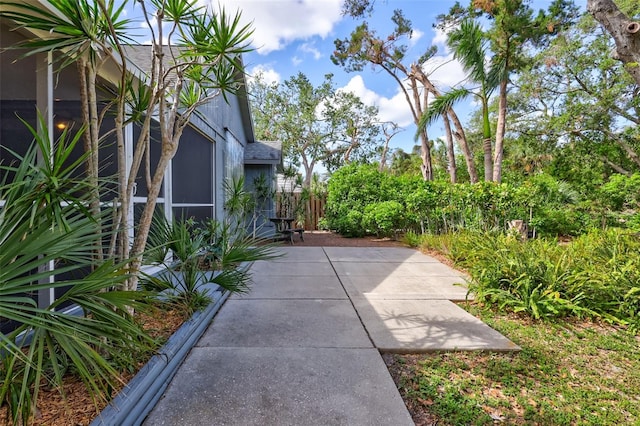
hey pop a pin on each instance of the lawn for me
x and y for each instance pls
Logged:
(568, 373)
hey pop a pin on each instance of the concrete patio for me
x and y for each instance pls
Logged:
(303, 347)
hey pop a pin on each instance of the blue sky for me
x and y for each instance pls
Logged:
(294, 36)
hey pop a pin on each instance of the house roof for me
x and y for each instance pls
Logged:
(263, 152)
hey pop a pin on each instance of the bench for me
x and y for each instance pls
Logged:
(285, 230)
(287, 234)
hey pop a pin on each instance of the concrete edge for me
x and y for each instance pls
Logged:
(138, 398)
(480, 349)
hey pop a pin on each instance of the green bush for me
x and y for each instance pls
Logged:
(383, 218)
(350, 189)
(558, 220)
(550, 206)
(349, 225)
(621, 192)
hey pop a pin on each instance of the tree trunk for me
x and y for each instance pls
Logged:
(500, 132)
(87, 76)
(425, 154)
(486, 142)
(461, 137)
(417, 75)
(388, 134)
(625, 32)
(169, 148)
(451, 155)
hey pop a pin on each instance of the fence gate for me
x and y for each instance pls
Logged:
(311, 210)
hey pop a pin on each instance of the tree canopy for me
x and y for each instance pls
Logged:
(318, 125)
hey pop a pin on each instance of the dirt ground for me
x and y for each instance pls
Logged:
(331, 239)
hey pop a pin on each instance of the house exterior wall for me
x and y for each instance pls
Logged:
(265, 209)
(211, 148)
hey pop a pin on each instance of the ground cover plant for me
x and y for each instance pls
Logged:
(597, 275)
(573, 309)
(568, 373)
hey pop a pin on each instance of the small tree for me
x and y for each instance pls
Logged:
(195, 58)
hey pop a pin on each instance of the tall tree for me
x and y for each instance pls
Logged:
(513, 31)
(317, 125)
(577, 98)
(469, 47)
(624, 29)
(365, 47)
(204, 66)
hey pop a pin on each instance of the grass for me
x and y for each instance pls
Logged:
(568, 373)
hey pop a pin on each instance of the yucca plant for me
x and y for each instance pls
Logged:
(45, 220)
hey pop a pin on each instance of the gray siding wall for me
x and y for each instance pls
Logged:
(262, 224)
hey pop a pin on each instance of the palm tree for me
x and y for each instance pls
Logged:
(469, 47)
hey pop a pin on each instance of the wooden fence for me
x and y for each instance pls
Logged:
(310, 211)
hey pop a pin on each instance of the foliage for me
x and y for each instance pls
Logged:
(384, 218)
(317, 124)
(204, 253)
(577, 99)
(596, 275)
(620, 197)
(568, 373)
(392, 54)
(45, 232)
(551, 207)
(352, 188)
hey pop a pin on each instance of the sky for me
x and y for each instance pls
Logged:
(292, 36)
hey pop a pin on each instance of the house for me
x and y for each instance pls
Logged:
(262, 161)
(212, 147)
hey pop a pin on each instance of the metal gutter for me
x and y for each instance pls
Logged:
(132, 405)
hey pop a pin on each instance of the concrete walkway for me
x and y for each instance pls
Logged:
(303, 347)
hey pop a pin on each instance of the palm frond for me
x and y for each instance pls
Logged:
(468, 45)
(439, 107)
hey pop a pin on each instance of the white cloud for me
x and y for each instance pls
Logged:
(416, 35)
(393, 109)
(295, 61)
(269, 75)
(310, 48)
(440, 39)
(444, 71)
(279, 22)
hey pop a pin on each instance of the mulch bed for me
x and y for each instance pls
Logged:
(331, 239)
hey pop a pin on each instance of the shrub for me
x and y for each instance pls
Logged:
(384, 218)
(349, 225)
(350, 189)
(550, 206)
